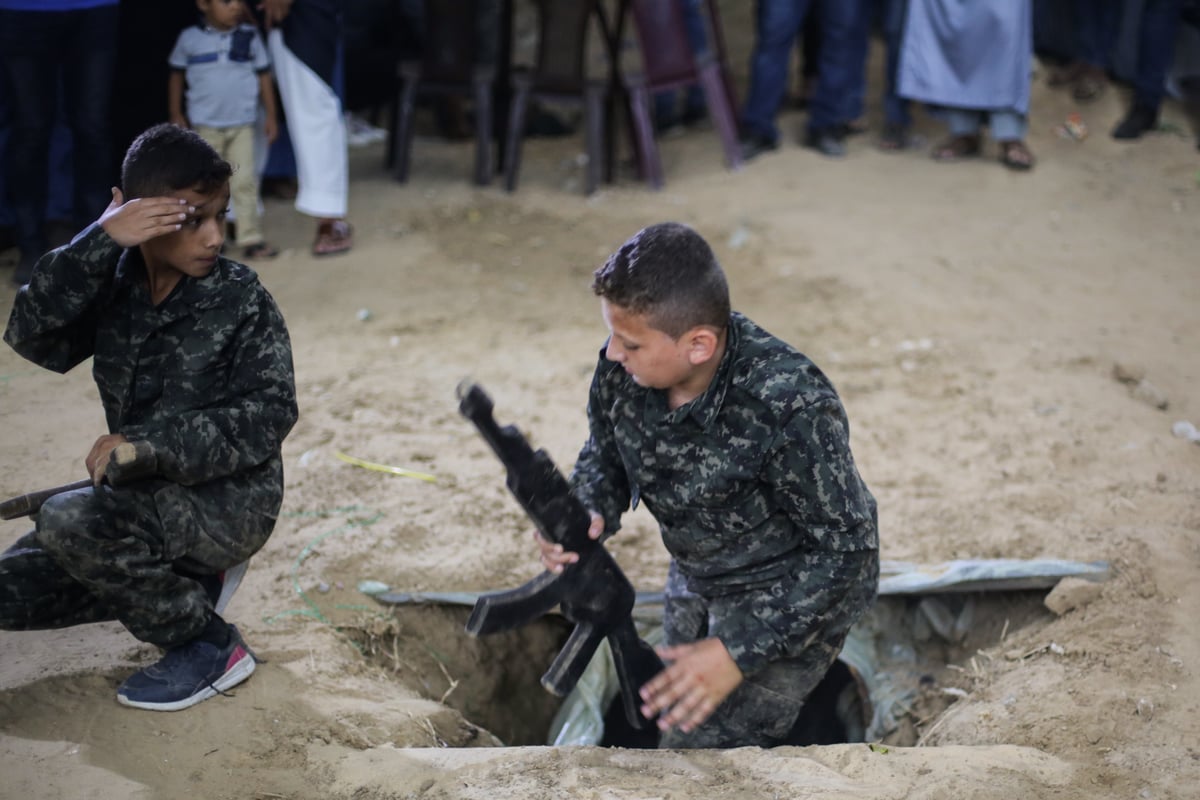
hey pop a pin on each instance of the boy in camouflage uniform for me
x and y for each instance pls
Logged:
(192, 358)
(739, 447)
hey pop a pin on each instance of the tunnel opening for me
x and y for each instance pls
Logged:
(902, 666)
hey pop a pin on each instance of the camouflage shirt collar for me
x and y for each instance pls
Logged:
(198, 293)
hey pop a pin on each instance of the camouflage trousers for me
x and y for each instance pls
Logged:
(761, 711)
(104, 554)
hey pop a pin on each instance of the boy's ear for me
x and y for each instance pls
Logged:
(702, 342)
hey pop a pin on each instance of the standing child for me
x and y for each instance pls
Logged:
(739, 447)
(193, 363)
(228, 75)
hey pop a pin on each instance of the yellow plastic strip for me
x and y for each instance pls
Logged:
(407, 473)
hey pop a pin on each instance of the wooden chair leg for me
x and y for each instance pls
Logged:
(643, 130)
(723, 115)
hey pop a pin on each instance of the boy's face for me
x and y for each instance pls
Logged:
(652, 358)
(221, 14)
(192, 250)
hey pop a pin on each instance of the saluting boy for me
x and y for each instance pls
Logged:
(192, 360)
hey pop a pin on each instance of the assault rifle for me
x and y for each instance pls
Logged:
(593, 592)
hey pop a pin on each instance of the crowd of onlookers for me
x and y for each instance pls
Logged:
(968, 61)
(216, 65)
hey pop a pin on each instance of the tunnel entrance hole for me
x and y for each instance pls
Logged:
(900, 669)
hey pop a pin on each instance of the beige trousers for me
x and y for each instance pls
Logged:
(236, 145)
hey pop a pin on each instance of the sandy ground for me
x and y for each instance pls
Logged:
(971, 319)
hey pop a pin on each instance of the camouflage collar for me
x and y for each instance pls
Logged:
(191, 293)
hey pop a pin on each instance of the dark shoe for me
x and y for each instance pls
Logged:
(1066, 74)
(854, 127)
(1090, 84)
(894, 137)
(826, 142)
(189, 674)
(1139, 120)
(754, 146)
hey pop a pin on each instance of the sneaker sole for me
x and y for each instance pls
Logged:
(239, 672)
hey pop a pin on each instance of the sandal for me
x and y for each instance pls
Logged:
(957, 147)
(1015, 154)
(333, 236)
(259, 250)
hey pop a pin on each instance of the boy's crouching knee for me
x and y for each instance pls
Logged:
(63, 517)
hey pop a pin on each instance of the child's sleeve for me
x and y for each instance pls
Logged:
(248, 426)
(54, 317)
(259, 54)
(599, 479)
(178, 59)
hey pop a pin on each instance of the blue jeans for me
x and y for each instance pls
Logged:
(776, 25)
(1006, 126)
(891, 15)
(37, 50)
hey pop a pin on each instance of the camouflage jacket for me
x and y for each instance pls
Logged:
(752, 483)
(205, 377)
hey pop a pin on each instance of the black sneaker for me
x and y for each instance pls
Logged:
(189, 674)
(754, 146)
(1139, 120)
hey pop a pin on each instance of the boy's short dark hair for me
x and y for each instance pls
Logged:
(168, 158)
(668, 274)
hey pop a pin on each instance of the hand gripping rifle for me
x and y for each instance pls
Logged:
(127, 462)
(593, 592)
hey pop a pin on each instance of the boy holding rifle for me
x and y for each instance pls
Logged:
(739, 447)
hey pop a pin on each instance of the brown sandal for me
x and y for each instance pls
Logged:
(333, 236)
(957, 148)
(1015, 154)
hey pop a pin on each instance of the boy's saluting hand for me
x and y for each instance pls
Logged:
(143, 218)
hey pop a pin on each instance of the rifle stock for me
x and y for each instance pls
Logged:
(593, 592)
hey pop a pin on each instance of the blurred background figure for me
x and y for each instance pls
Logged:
(972, 59)
(47, 46)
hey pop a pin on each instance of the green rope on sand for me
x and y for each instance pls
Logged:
(313, 610)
